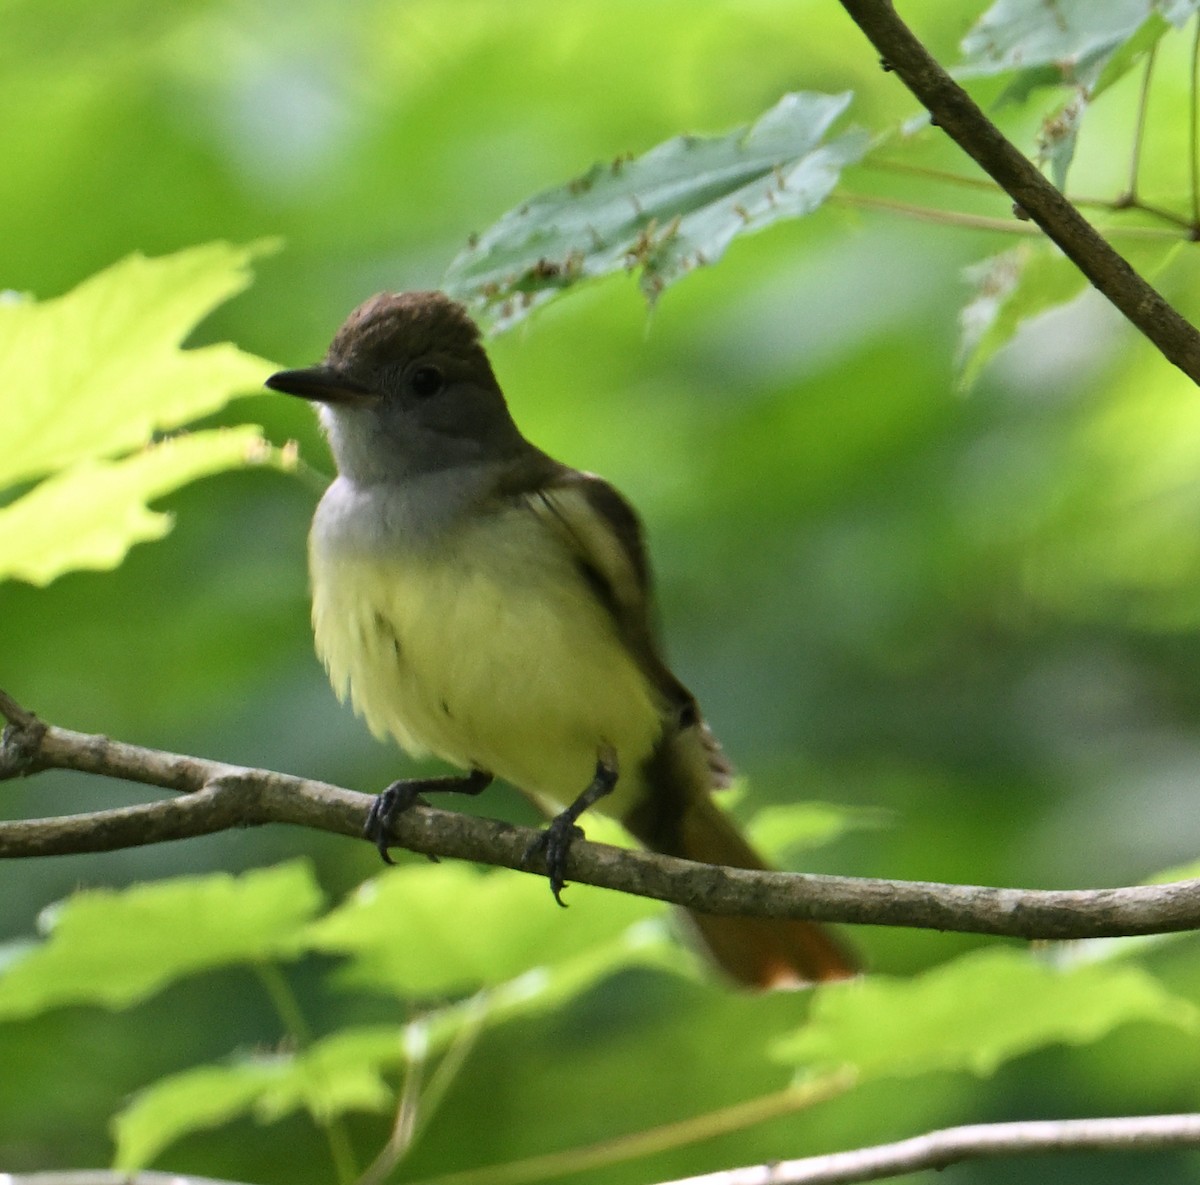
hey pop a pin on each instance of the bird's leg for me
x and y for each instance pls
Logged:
(562, 831)
(399, 796)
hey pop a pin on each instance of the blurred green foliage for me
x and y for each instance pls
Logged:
(976, 613)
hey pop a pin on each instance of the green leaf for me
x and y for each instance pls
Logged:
(96, 372)
(1010, 288)
(1057, 139)
(91, 377)
(115, 948)
(674, 209)
(1078, 38)
(801, 826)
(395, 929)
(89, 516)
(1134, 50)
(173, 1107)
(974, 1014)
(342, 1072)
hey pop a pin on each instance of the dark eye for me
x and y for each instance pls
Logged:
(426, 381)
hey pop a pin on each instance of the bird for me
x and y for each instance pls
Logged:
(479, 601)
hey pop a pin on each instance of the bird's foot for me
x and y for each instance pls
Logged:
(555, 845)
(405, 794)
(386, 809)
(555, 842)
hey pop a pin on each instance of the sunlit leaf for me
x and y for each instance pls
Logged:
(96, 372)
(195, 1100)
(89, 516)
(974, 1014)
(674, 209)
(114, 948)
(799, 826)
(340, 1073)
(394, 929)
(91, 378)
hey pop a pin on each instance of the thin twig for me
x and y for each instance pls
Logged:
(552, 1166)
(217, 796)
(1117, 205)
(1008, 226)
(934, 1150)
(937, 1149)
(404, 1125)
(954, 111)
(107, 1177)
(1194, 129)
(1139, 131)
(1127, 202)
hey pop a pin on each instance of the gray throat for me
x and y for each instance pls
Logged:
(414, 514)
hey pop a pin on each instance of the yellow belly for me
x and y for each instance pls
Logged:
(490, 652)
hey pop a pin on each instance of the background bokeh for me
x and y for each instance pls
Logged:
(976, 611)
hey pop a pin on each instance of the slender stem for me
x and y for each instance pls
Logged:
(1180, 221)
(1127, 201)
(417, 1106)
(287, 1008)
(1194, 137)
(926, 173)
(1139, 131)
(1008, 226)
(658, 1139)
(310, 475)
(454, 1059)
(403, 1128)
(284, 1001)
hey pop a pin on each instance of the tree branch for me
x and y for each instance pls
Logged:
(956, 113)
(933, 1150)
(937, 1149)
(218, 796)
(106, 1177)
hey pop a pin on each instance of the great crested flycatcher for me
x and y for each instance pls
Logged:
(482, 602)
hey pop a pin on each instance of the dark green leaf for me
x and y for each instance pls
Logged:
(1078, 38)
(674, 209)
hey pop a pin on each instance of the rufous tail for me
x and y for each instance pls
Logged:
(760, 953)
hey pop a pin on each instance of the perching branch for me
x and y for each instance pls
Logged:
(217, 797)
(934, 1150)
(956, 113)
(108, 1177)
(937, 1149)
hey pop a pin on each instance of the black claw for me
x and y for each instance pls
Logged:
(387, 807)
(401, 796)
(562, 832)
(555, 843)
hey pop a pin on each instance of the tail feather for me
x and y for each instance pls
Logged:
(760, 953)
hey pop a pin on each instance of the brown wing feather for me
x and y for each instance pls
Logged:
(605, 538)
